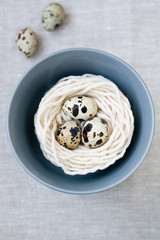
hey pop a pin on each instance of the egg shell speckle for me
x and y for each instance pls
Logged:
(52, 16)
(95, 132)
(26, 41)
(69, 135)
(80, 108)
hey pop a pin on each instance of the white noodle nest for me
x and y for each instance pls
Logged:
(113, 106)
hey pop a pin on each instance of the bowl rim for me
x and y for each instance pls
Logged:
(61, 189)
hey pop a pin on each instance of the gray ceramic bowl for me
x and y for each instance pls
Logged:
(41, 77)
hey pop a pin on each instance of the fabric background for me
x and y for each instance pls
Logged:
(29, 210)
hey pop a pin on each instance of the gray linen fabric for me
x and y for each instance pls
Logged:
(29, 210)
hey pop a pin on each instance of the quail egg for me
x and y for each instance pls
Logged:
(95, 132)
(69, 135)
(80, 108)
(52, 16)
(26, 41)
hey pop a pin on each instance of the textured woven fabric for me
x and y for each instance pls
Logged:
(29, 210)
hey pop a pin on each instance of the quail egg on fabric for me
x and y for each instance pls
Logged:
(26, 41)
(69, 135)
(52, 16)
(80, 108)
(95, 132)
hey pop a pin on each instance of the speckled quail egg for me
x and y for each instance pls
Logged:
(52, 16)
(26, 41)
(69, 134)
(95, 132)
(81, 107)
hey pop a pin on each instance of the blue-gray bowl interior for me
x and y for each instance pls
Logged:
(40, 78)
